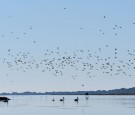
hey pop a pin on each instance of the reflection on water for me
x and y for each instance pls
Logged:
(94, 105)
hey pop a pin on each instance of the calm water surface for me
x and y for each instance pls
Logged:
(95, 105)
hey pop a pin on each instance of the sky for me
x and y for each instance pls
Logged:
(47, 44)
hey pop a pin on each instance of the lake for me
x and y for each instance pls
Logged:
(43, 104)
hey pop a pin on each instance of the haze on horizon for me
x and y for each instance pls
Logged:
(65, 45)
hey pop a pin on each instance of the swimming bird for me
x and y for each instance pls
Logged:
(62, 99)
(87, 96)
(77, 99)
(53, 99)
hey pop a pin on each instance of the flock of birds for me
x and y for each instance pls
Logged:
(76, 99)
(82, 61)
(86, 62)
(115, 29)
(63, 99)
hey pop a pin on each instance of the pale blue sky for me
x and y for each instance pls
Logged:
(38, 25)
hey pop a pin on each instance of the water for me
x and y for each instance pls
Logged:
(95, 105)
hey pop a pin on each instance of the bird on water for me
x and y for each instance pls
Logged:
(62, 99)
(77, 99)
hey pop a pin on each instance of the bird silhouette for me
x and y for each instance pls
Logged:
(62, 99)
(76, 100)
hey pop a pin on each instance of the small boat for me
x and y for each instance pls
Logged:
(4, 99)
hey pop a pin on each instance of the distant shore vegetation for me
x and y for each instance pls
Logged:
(122, 91)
